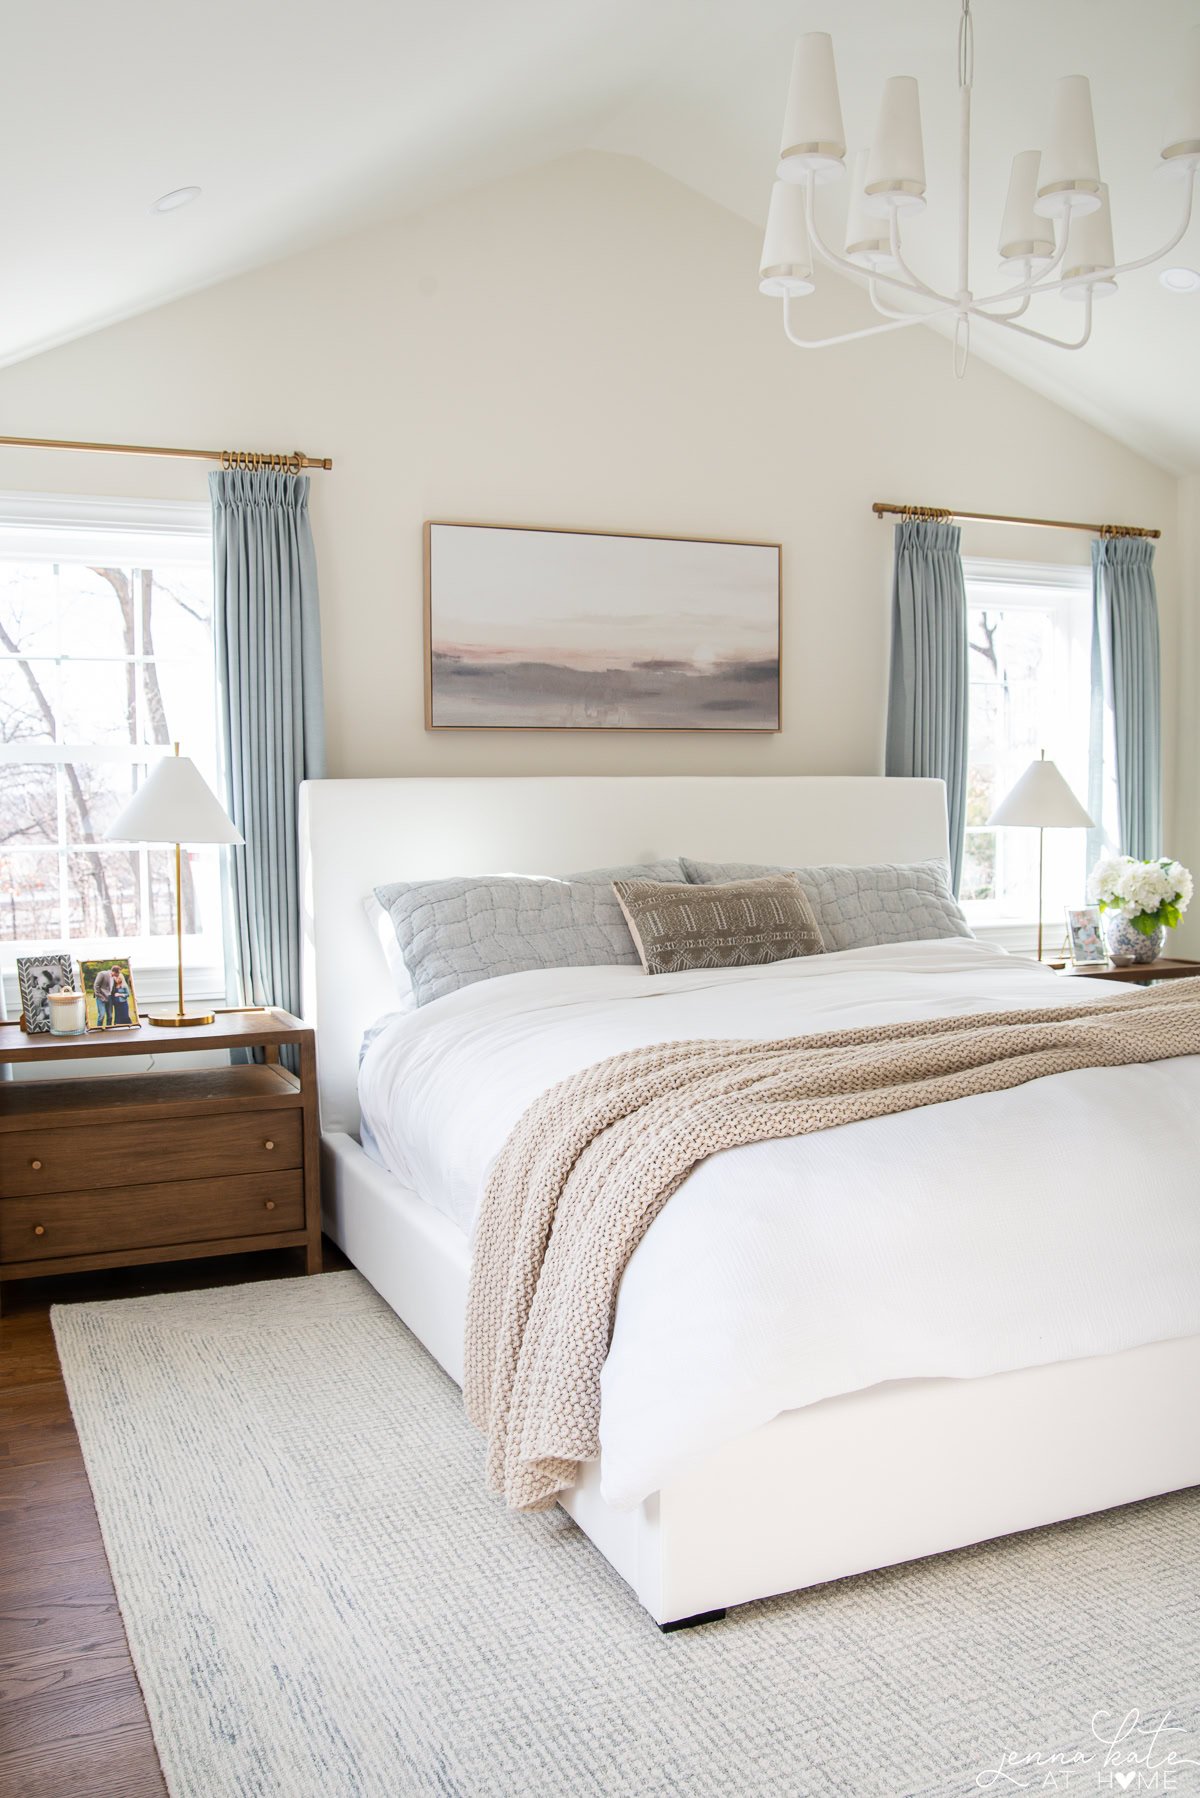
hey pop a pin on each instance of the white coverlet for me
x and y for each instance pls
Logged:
(1052, 1221)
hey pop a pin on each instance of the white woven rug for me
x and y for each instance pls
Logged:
(322, 1603)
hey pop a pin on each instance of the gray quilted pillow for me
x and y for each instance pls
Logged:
(454, 932)
(857, 908)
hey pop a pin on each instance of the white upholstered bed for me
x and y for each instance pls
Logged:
(901, 1468)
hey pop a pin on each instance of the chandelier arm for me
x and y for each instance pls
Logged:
(820, 343)
(1002, 318)
(930, 293)
(886, 311)
(844, 266)
(1127, 268)
(890, 311)
(1043, 336)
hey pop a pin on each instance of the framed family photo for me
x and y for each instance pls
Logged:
(534, 628)
(108, 994)
(1088, 948)
(37, 977)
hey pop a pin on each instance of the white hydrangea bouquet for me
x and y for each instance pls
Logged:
(1148, 898)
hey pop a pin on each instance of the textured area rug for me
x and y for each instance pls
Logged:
(321, 1602)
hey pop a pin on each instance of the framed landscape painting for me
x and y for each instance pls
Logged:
(529, 629)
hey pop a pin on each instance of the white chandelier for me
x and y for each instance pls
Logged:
(1056, 235)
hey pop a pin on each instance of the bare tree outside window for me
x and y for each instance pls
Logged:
(1028, 650)
(97, 661)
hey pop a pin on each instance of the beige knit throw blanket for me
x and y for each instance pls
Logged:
(593, 1161)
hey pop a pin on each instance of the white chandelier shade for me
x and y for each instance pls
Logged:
(1070, 172)
(896, 165)
(1055, 235)
(1090, 253)
(1024, 234)
(814, 138)
(868, 239)
(786, 267)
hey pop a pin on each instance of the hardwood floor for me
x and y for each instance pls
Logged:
(72, 1721)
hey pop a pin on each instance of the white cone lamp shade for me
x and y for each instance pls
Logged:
(1181, 150)
(175, 806)
(896, 165)
(814, 138)
(1090, 253)
(1024, 235)
(786, 265)
(867, 242)
(1042, 799)
(1070, 174)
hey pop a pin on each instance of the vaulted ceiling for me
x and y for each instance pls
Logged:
(304, 120)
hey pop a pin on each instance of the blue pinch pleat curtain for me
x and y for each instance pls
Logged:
(927, 696)
(1127, 686)
(268, 646)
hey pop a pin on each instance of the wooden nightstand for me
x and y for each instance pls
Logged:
(115, 1169)
(1143, 973)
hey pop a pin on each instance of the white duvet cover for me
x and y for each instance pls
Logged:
(1052, 1221)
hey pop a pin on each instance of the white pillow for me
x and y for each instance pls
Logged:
(381, 925)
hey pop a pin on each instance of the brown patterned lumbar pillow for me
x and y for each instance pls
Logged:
(730, 925)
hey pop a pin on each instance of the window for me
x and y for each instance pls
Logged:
(106, 659)
(1029, 631)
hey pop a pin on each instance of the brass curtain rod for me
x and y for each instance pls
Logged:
(934, 513)
(247, 459)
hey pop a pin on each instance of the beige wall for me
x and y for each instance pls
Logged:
(582, 345)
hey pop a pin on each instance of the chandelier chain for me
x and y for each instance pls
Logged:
(966, 47)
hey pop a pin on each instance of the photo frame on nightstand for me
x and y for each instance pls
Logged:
(38, 977)
(108, 994)
(1088, 948)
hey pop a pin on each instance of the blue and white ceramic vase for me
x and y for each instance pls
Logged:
(1127, 946)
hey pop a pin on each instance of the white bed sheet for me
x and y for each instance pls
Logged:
(1053, 1221)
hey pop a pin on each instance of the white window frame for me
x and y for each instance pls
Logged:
(58, 528)
(1011, 582)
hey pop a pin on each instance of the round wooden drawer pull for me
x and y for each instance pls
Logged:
(268, 1144)
(270, 1204)
(35, 1165)
(39, 1229)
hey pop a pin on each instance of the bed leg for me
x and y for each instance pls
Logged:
(691, 1622)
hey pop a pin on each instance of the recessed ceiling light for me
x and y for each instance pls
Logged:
(179, 196)
(1180, 280)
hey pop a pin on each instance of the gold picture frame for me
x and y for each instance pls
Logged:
(745, 684)
(115, 1006)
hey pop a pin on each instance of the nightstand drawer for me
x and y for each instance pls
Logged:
(87, 1223)
(146, 1151)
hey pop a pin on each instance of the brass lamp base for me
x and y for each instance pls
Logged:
(180, 1020)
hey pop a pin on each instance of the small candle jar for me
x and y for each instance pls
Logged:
(67, 1014)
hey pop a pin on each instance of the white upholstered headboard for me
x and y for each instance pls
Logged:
(358, 834)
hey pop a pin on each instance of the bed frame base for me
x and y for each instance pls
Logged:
(891, 1474)
(692, 1622)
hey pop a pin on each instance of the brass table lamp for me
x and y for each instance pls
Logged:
(1041, 801)
(175, 806)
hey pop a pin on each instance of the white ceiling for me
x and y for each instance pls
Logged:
(304, 119)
